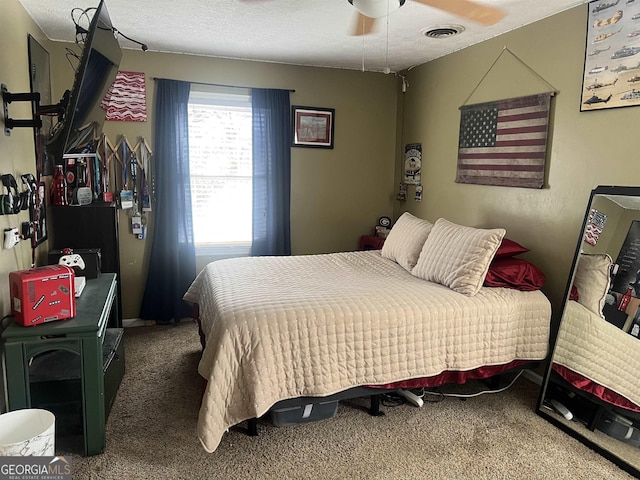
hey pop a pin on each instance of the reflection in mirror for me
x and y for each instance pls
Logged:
(591, 387)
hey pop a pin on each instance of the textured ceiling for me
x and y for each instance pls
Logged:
(300, 32)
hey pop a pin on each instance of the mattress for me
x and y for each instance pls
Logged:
(314, 325)
(599, 351)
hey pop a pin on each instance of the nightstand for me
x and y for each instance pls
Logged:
(370, 242)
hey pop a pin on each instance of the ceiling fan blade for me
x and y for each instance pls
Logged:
(467, 9)
(362, 25)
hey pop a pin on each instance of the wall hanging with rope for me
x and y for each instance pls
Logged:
(504, 142)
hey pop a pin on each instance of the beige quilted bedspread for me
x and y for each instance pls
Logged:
(598, 350)
(284, 327)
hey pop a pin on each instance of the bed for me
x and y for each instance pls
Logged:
(591, 354)
(278, 328)
(597, 357)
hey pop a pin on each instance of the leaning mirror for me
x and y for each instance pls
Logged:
(591, 388)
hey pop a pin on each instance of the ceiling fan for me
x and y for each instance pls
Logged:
(371, 10)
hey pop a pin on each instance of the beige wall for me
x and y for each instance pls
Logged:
(585, 149)
(336, 195)
(17, 150)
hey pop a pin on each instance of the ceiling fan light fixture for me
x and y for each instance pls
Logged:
(442, 31)
(376, 8)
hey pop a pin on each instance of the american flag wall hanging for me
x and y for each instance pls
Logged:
(504, 142)
(126, 100)
(595, 226)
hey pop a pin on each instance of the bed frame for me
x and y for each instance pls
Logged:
(373, 393)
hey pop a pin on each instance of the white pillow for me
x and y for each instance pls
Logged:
(405, 240)
(458, 257)
(592, 280)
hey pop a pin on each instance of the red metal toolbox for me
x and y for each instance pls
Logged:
(42, 294)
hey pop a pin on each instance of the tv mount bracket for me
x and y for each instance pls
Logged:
(39, 110)
(10, 123)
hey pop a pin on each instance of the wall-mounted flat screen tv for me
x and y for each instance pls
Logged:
(83, 114)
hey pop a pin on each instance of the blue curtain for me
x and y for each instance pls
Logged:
(271, 172)
(172, 265)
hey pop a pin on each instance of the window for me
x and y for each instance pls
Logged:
(220, 162)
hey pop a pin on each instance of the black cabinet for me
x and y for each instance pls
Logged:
(89, 226)
(56, 385)
(113, 365)
(614, 316)
(73, 367)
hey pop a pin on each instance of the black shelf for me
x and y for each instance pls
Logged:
(89, 226)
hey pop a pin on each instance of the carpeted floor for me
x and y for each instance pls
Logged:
(151, 433)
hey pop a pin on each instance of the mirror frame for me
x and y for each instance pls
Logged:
(599, 190)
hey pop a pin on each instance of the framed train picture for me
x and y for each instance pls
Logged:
(612, 56)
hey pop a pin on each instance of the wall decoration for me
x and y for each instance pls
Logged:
(106, 154)
(418, 195)
(126, 99)
(123, 174)
(39, 77)
(313, 127)
(38, 215)
(402, 192)
(127, 158)
(412, 163)
(595, 226)
(143, 153)
(504, 142)
(611, 75)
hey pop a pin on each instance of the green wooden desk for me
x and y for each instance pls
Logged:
(84, 335)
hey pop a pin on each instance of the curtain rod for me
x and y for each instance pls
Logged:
(218, 84)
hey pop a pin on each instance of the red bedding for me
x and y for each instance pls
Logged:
(514, 273)
(509, 272)
(509, 248)
(455, 376)
(600, 391)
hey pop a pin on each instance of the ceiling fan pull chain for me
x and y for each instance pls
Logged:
(386, 55)
(363, 27)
